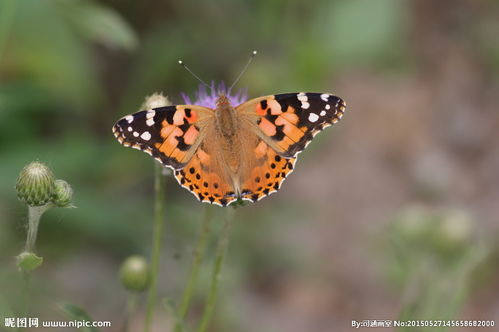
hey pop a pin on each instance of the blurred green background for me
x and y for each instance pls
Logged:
(391, 214)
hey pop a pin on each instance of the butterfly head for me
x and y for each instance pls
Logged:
(222, 101)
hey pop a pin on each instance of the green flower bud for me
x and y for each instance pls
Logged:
(62, 194)
(28, 261)
(35, 185)
(154, 101)
(134, 273)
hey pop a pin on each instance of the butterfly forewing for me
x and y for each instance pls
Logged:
(170, 134)
(288, 122)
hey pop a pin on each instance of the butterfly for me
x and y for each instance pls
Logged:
(228, 153)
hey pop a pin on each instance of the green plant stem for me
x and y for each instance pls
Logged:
(196, 262)
(131, 306)
(26, 292)
(223, 243)
(34, 215)
(159, 190)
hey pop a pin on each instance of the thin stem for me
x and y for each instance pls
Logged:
(26, 292)
(196, 262)
(223, 243)
(131, 307)
(34, 215)
(159, 211)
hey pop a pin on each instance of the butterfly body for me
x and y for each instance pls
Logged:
(228, 152)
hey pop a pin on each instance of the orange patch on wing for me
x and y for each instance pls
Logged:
(267, 127)
(290, 116)
(166, 129)
(193, 118)
(178, 117)
(171, 142)
(190, 135)
(289, 129)
(275, 107)
(260, 149)
(203, 156)
(260, 110)
(178, 155)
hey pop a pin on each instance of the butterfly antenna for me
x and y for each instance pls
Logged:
(242, 71)
(180, 62)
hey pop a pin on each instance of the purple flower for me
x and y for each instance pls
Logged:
(203, 98)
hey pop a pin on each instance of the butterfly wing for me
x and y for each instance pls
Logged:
(284, 124)
(170, 134)
(267, 173)
(288, 122)
(202, 177)
(174, 135)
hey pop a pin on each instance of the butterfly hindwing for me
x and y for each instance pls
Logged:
(288, 122)
(170, 134)
(201, 178)
(267, 174)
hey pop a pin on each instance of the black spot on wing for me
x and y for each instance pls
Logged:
(169, 117)
(279, 134)
(184, 126)
(182, 146)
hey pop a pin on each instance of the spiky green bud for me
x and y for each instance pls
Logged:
(35, 185)
(135, 274)
(28, 261)
(62, 194)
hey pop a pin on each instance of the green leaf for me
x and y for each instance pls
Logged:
(76, 313)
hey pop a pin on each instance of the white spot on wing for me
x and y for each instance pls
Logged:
(136, 134)
(149, 122)
(323, 113)
(150, 114)
(328, 106)
(145, 136)
(129, 118)
(324, 97)
(312, 117)
(304, 100)
(130, 129)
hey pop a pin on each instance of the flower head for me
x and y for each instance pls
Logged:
(155, 100)
(35, 185)
(203, 98)
(135, 273)
(63, 194)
